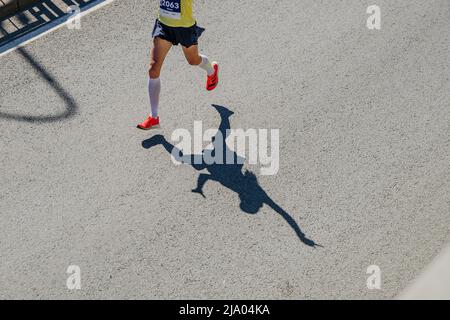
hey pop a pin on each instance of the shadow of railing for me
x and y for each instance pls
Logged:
(24, 18)
(69, 101)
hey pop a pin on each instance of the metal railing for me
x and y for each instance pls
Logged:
(35, 14)
(10, 7)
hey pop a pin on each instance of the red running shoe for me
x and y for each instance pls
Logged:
(213, 80)
(149, 123)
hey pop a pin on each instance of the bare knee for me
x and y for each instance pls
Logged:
(153, 74)
(195, 61)
(154, 70)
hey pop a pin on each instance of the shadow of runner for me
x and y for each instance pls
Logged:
(71, 106)
(245, 184)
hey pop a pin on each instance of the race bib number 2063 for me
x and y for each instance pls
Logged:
(170, 9)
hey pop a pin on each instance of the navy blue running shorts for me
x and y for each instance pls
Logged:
(178, 35)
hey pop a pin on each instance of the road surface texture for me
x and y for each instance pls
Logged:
(364, 123)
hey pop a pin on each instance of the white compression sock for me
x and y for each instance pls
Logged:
(154, 88)
(206, 65)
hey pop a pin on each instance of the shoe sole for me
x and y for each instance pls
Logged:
(152, 127)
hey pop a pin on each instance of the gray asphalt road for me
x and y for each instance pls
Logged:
(364, 123)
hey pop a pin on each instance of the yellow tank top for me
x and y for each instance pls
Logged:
(176, 13)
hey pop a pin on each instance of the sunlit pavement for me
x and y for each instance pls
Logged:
(364, 155)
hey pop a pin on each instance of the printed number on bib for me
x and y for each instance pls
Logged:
(170, 9)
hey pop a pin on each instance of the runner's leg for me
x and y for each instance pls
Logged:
(195, 59)
(212, 69)
(157, 56)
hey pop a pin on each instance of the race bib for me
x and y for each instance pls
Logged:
(170, 9)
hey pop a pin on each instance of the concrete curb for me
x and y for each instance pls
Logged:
(10, 7)
(433, 283)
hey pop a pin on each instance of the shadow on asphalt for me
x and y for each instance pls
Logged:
(69, 101)
(245, 184)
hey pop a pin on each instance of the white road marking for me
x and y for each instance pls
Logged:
(50, 27)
